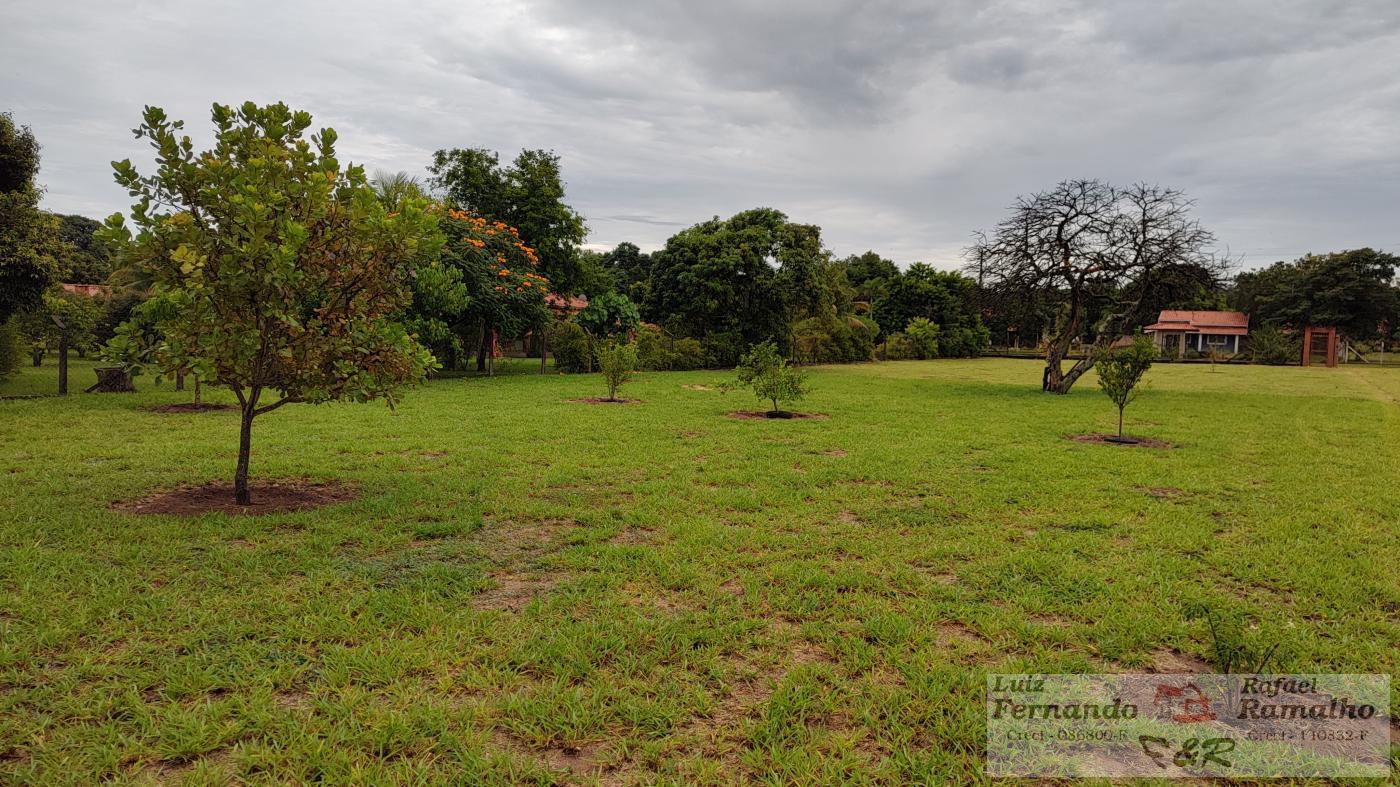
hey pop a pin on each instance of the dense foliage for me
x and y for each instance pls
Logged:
(1350, 290)
(30, 245)
(528, 195)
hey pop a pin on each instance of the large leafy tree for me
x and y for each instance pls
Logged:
(946, 298)
(284, 271)
(504, 288)
(30, 246)
(1349, 289)
(1103, 251)
(528, 195)
(720, 277)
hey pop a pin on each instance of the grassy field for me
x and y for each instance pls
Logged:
(534, 590)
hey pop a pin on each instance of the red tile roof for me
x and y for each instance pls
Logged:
(90, 290)
(1227, 323)
(573, 303)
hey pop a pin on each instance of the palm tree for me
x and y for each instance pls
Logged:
(394, 187)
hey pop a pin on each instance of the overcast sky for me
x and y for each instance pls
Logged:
(900, 126)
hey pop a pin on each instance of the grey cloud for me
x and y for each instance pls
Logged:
(899, 125)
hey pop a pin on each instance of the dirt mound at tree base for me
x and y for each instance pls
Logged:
(1126, 440)
(190, 407)
(765, 415)
(269, 497)
(605, 400)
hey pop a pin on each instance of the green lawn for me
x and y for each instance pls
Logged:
(658, 593)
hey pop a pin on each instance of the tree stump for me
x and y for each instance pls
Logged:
(112, 379)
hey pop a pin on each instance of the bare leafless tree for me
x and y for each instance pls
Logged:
(1100, 250)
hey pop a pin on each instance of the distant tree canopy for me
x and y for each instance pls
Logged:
(1349, 289)
(630, 270)
(30, 246)
(739, 281)
(86, 260)
(1101, 255)
(528, 195)
(868, 274)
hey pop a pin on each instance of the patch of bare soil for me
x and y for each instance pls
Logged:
(954, 631)
(269, 497)
(769, 415)
(191, 407)
(605, 400)
(697, 387)
(511, 593)
(511, 543)
(1113, 439)
(577, 760)
(1167, 660)
(834, 452)
(1162, 492)
(634, 536)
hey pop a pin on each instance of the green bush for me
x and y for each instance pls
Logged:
(898, 347)
(617, 362)
(833, 339)
(723, 349)
(923, 336)
(1273, 346)
(658, 352)
(569, 344)
(963, 342)
(767, 372)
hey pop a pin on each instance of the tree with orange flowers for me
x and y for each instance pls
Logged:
(505, 290)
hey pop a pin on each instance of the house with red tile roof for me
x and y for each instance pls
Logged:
(1177, 331)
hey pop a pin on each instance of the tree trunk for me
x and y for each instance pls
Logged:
(241, 495)
(1120, 420)
(179, 381)
(198, 392)
(544, 351)
(37, 355)
(482, 348)
(1055, 379)
(63, 366)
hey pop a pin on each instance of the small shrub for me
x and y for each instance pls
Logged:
(687, 354)
(1272, 346)
(1233, 647)
(569, 344)
(658, 352)
(833, 339)
(898, 347)
(923, 336)
(963, 342)
(767, 372)
(617, 361)
(1121, 370)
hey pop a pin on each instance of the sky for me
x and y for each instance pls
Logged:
(901, 126)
